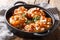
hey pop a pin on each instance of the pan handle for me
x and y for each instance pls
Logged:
(42, 34)
(19, 3)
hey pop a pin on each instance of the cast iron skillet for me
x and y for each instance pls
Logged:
(20, 33)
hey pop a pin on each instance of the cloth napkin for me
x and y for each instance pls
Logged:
(5, 34)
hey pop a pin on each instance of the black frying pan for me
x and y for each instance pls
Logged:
(20, 33)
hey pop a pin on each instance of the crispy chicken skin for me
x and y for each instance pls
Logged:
(39, 26)
(35, 11)
(17, 20)
(20, 10)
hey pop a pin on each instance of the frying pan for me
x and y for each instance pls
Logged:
(20, 33)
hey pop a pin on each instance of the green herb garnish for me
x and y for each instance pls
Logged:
(24, 15)
(28, 21)
(36, 18)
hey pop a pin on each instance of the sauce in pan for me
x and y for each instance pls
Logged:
(32, 20)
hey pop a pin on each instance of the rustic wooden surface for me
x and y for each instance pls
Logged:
(56, 34)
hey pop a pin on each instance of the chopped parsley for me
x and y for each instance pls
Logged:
(36, 18)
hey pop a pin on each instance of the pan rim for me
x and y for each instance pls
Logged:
(27, 5)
